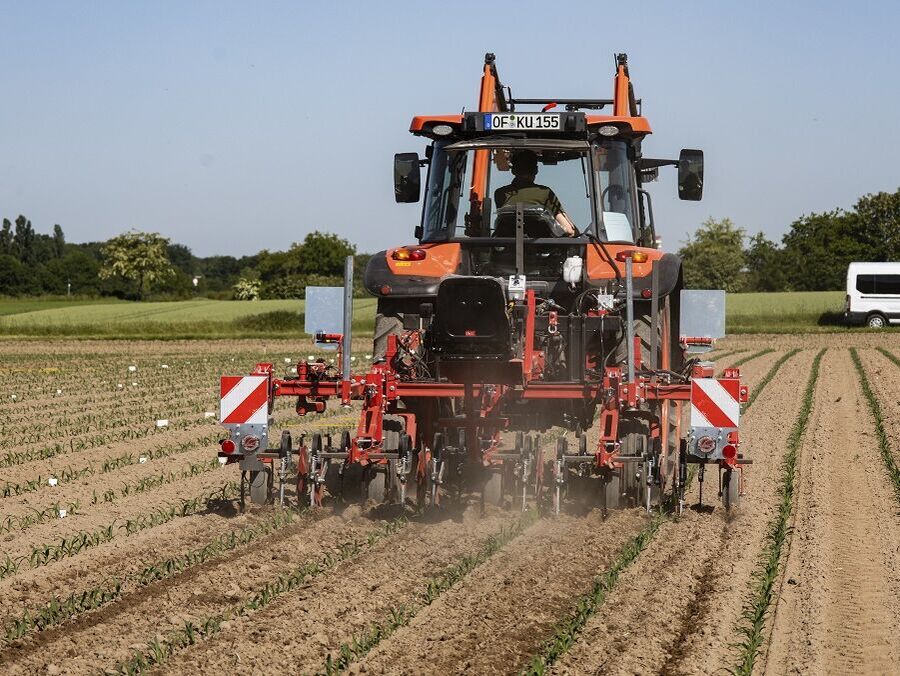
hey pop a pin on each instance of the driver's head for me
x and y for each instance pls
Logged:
(524, 164)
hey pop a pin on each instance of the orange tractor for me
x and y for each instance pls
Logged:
(535, 308)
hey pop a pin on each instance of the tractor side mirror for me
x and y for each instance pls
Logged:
(407, 180)
(690, 174)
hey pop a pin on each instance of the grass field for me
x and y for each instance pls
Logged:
(784, 312)
(13, 306)
(818, 311)
(163, 320)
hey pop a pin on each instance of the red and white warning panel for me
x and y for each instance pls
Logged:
(244, 400)
(716, 402)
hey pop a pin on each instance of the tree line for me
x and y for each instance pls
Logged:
(812, 256)
(138, 265)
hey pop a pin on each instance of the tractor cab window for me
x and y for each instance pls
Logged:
(481, 191)
(617, 191)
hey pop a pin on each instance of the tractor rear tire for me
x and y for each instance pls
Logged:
(388, 321)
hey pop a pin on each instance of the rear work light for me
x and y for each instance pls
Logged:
(636, 256)
(227, 446)
(405, 254)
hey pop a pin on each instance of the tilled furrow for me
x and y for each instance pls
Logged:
(665, 610)
(311, 624)
(127, 562)
(497, 617)
(116, 516)
(112, 634)
(839, 596)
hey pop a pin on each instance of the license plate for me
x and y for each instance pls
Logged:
(522, 122)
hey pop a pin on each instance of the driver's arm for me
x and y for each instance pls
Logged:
(562, 218)
(563, 221)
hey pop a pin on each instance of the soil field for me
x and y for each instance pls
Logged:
(122, 549)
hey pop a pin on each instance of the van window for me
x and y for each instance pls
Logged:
(885, 285)
(889, 284)
(865, 283)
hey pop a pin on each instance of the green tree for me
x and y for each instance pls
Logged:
(765, 265)
(879, 225)
(59, 241)
(819, 247)
(323, 254)
(139, 257)
(15, 277)
(714, 257)
(6, 239)
(75, 267)
(23, 240)
(275, 265)
(247, 289)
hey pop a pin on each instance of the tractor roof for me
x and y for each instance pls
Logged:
(465, 126)
(495, 99)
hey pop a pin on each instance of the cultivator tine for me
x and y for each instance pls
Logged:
(282, 476)
(562, 445)
(557, 484)
(538, 472)
(401, 473)
(700, 475)
(526, 472)
(403, 466)
(437, 476)
(648, 481)
(285, 461)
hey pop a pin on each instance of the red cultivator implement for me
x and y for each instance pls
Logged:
(528, 345)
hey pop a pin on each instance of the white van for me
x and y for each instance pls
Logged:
(873, 294)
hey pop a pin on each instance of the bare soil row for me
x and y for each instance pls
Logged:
(675, 609)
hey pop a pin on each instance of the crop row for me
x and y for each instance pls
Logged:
(36, 516)
(97, 422)
(68, 473)
(154, 481)
(567, 631)
(58, 610)
(874, 405)
(86, 442)
(42, 555)
(756, 608)
(401, 615)
(569, 628)
(158, 651)
(80, 393)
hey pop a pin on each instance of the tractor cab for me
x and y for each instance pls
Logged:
(522, 186)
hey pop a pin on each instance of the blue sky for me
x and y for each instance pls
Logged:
(232, 127)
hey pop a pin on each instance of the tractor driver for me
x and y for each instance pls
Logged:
(523, 190)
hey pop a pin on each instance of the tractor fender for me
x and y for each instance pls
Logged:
(381, 282)
(669, 266)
